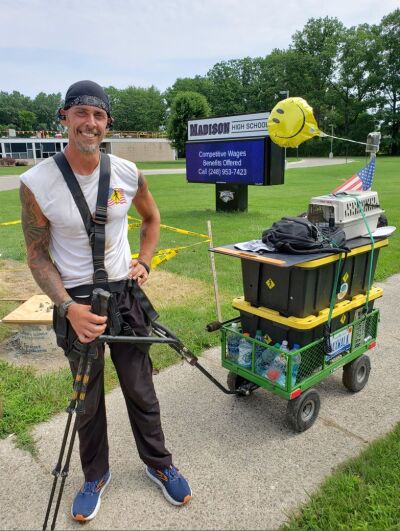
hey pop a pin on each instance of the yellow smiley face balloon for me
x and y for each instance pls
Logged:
(292, 122)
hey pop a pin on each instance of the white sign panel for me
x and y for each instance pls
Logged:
(240, 126)
(340, 342)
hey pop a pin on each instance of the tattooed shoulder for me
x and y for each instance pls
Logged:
(31, 212)
(35, 225)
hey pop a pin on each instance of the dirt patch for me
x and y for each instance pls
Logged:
(164, 289)
(16, 281)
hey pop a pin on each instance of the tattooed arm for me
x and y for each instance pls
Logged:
(149, 231)
(36, 228)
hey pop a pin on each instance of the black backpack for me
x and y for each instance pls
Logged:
(297, 235)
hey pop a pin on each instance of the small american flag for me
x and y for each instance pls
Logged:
(116, 196)
(362, 180)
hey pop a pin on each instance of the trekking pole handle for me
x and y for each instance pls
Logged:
(100, 300)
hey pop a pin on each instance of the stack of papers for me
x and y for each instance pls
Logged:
(255, 246)
(381, 231)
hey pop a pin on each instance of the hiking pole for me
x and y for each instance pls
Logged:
(79, 410)
(70, 410)
(87, 354)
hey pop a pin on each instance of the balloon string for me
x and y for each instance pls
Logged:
(340, 138)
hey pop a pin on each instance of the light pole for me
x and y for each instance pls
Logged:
(285, 93)
(331, 152)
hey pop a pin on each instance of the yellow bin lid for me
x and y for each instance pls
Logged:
(311, 321)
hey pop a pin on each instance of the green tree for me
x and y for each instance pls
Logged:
(353, 93)
(285, 70)
(137, 109)
(318, 44)
(45, 107)
(26, 119)
(199, 84)
(186, 106)
(11, 104)
(235, 86)
(389, 61)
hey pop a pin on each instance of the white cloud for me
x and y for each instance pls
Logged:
(45, 45)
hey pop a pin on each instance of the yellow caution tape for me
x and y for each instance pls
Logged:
(10, 223)
(162, 255)
(174, 229)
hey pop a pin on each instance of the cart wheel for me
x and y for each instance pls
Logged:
(234, 382)
(303, 411)
(356, 374)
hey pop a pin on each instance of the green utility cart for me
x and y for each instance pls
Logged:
(348, 347)
(321, 306)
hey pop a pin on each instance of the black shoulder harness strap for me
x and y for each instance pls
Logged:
(94, 225)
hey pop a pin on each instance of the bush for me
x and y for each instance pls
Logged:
(7, 161)
(21, 162)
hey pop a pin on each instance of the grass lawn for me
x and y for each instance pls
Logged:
(363, 494)
(145, 165)
(153, 165)
(156, 165)
(12, 170)
(189, 206)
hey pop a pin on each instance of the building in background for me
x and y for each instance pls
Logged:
(134, 149)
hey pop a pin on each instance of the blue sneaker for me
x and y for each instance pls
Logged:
(87, 501)
(173, 485)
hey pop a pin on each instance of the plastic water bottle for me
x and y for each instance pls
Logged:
(269, 355)
(233, 342)
(259, 337)
(296, 360)
(277, 370)
(284, 346)
(264, 362)
(283, 361)
(260, 366)
(259, 362)
(245, 351)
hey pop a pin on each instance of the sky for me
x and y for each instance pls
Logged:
(46, 45)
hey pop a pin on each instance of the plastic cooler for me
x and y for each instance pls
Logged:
(344, 210)
(275, 327)
(306, 287)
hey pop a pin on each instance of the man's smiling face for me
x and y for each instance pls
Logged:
(87, 127)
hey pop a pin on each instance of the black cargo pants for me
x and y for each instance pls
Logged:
(135, 373)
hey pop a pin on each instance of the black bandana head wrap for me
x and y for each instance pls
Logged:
(87, 93)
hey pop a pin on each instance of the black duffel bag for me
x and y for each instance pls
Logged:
(297, 235)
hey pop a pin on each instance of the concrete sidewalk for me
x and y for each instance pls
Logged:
(247, 469)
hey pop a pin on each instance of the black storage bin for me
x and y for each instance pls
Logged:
(300, 291)
(301, 330)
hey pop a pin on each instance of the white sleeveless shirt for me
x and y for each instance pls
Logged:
(69, 243)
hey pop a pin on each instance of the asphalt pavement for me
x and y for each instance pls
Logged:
(246, 467)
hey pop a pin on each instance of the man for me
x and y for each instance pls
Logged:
(60, 258)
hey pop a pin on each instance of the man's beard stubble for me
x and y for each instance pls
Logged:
(88, 148)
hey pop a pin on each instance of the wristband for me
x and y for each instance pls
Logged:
(146, 266)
